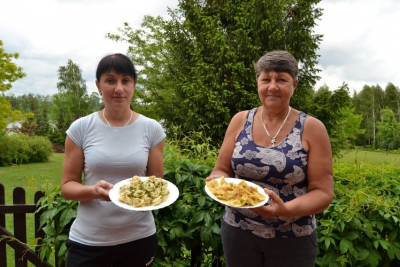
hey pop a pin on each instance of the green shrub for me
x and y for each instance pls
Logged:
(40, 148)
(55, 221)
(189, 230)
(362, 225)
(13, 150)
(17, 149)
(360, 228)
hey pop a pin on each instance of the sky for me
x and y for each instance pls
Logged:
(360, 43)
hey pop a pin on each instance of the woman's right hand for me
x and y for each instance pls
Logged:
(102, 190)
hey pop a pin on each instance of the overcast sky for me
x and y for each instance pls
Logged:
(361, 43)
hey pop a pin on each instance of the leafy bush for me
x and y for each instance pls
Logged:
(362, 226)
(24, 149)
(189, 230)
(55, 221)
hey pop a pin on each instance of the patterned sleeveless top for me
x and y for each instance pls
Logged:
(281, 168)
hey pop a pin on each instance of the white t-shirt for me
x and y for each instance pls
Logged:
(112, 154)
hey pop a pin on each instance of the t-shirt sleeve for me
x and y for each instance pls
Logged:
(75, 132)
(157, 133)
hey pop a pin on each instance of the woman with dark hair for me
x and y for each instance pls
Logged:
(106, 147)
(286, 152)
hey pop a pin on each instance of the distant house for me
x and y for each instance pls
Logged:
(13, 127)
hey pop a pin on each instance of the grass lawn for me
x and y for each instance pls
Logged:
(370, 157)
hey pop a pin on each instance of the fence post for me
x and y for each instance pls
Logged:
(20, 226)
(3, 254)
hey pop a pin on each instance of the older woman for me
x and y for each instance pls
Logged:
(108, 146)
(286, 152)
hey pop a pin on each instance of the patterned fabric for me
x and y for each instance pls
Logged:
(281, 168)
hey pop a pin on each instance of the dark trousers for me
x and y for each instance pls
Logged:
(133, 254)
(242, 248)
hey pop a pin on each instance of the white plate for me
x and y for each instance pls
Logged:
(237, 181)
(114, 195)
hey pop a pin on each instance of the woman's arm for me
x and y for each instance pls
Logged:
(319, 175)
(71, 185)
(155, 165)
(223, 165)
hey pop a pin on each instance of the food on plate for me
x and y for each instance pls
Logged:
(238, 195)
(150, 192)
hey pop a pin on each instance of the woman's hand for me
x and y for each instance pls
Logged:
(213, 176)
(102, 190)
(276, 206)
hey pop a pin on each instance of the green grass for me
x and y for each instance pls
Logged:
(18, 176)
(370, 157)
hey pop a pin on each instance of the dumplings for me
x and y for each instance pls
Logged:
(138, 193)
(237, 195)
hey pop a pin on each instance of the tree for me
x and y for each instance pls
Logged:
(199, 64)
(94, 102)
(9, 73)
(388, 128)
(335, 109)
(369, 102)
(392, 99)
(71, 102)
(72, 83)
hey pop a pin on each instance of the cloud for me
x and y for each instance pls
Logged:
(46, 33)
(360, 43)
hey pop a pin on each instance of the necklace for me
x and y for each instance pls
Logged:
(265, 128)
(110, 124)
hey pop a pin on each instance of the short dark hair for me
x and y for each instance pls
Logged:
(119, 63)
(278, 61)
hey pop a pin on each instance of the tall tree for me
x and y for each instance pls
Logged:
(388, 128)
(335, 109)
(199, 64)
(392, 99)
(71, 102)
(72, 83)
(369, 102)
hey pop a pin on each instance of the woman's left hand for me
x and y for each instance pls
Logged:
(276, 206)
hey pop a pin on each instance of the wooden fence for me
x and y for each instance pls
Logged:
(19, 209)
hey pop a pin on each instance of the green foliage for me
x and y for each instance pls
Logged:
(16, 149)
(9, 71)
(197, 67)
(192, 223)
(56, 219)
(72, 84)
(360, 228)
(369, 102)
(70, 103)
(362, 225)
(335, 110)
(388, 127)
